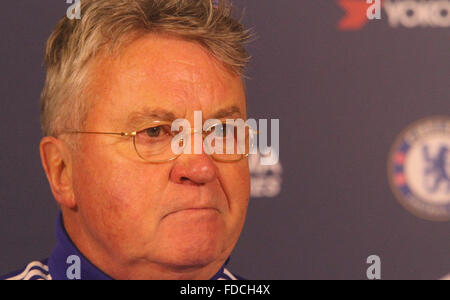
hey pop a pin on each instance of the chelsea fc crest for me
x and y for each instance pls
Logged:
(419, 168)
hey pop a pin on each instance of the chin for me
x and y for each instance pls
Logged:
(196, 243)
(186, 255)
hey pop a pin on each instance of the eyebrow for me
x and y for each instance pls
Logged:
(227, 112)
(147, 115)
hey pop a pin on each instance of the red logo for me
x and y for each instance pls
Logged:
(356, 14)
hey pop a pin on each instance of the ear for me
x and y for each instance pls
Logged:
(56, 158)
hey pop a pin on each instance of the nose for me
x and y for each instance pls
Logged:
(194, 169)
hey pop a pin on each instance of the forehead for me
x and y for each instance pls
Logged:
(162, 73)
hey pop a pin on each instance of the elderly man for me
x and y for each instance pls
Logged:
(116, 80)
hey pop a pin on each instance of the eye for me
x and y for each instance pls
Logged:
(154, 132)
(223, 130)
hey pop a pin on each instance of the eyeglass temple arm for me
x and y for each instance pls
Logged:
(109, 133)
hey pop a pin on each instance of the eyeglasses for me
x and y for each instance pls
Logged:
(223, 141)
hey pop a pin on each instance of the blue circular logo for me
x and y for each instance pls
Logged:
(419, 168)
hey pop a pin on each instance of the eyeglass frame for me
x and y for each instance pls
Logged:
(133, 135)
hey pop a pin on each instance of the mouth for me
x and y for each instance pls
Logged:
(193, 210)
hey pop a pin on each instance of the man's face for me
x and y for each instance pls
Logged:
(189, 211)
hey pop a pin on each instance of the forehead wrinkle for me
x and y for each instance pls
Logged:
(159, 54)
(195, 67)
(190, 77)
(159, 57)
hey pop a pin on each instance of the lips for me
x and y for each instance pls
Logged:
(193, 201)
(193, 210)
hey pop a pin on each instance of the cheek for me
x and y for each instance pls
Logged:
(235, 180)
(119, 195)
